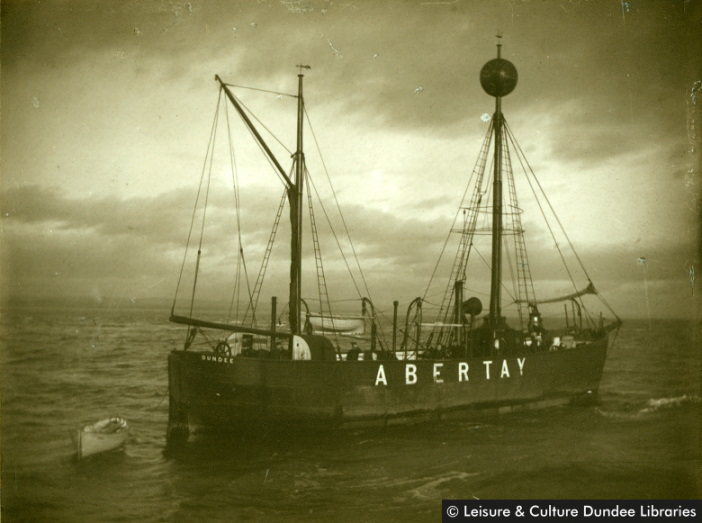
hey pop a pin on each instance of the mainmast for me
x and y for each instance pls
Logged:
(295, 195)
(295, 189)
(498, 78)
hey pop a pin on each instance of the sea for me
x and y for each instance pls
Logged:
(63, 367)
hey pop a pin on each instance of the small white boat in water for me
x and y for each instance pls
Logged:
(102, 436)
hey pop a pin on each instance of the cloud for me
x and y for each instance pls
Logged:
(155, 219)
(112, 103)
(60, 245)
(52, 236)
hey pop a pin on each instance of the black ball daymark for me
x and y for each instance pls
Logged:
(498, 77)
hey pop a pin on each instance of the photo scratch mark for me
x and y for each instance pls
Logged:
(644, 263)
(696, 88)
(177, 10)
(626, 8)
(295, 6)
(691, 120)
(335, 51)
(155, 284)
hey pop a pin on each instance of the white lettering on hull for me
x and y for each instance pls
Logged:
(410, 374)
(411, 377)
(462, 371)
(437, 372)
(438, 376)
(217, 359)
(505, 370)
(380, 377)
(487, 369)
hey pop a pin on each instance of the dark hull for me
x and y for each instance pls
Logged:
(236, 394)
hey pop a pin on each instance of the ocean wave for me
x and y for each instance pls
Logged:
(434, 488)
(657, 404)
(632, 410)
(619, 415)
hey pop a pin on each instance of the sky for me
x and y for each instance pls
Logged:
(107, 108)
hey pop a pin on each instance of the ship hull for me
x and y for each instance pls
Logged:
(209, 392)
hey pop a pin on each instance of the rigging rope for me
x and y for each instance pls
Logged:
(528, 169)
(202, 226)
(197, 199)
(466, 241)
(523, 160)
(241, 261)
(264, 125)
(336, 237)
(478, 168)
(343, 221)
(261, 90)
(515, 282)
(266, 257)
(210, 148)
(341, 215)
(270, 162)
(487, 264)
(321, 278)
(522, 280)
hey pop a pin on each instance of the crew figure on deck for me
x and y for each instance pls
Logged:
(536, 327)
